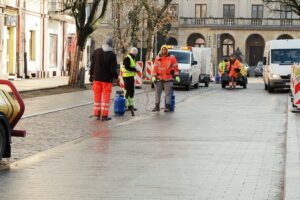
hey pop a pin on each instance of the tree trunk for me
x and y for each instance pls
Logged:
(75, 66)
(149, 49)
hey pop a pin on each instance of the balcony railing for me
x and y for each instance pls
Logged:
(56, 8)
(13, 3)
(240, 22)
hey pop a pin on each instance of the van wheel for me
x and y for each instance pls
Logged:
(245, 85)
(3, 141)
(196, 85)
(223, 85)
(270, 89)
(187, 87)
(206, 84)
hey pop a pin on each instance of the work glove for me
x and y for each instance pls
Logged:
(177, 79)
(91, 79)
(153, 79)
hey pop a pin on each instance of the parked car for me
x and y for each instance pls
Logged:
(247, 68)
(259, 69)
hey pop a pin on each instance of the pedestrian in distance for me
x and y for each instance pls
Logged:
(164, 71)
(233, 69)
(222, 66)
(103, 72)
(128, 73)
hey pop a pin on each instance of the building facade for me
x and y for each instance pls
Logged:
(230, 25)
(36, 39)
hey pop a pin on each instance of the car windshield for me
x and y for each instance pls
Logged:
(285, 56)
(182, 57)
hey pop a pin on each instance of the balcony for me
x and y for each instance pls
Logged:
(56, 11)
(12, 3)
(56, 8)
(241, 23)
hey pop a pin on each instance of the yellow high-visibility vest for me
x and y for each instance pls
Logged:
(126, 73)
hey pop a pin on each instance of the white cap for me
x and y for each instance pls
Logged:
(134, 51)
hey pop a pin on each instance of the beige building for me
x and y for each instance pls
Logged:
(228, 25)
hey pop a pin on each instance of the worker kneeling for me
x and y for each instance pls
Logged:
(128, 73)
(164, 71)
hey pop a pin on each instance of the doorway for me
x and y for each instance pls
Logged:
(255, 45)
(10, 51)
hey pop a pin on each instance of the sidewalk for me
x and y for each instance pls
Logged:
(292, 165)
(35, 84)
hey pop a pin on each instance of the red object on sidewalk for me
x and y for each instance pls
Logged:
(102, 91)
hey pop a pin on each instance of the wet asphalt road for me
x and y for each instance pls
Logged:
(223, 144)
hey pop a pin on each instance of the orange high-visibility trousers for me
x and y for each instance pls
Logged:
(102, 91)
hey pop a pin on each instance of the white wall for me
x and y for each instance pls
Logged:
(55, 27)
(33, 23)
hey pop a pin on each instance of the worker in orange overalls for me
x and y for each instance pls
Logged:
(233, 69)
(164, 72)
(102, 73)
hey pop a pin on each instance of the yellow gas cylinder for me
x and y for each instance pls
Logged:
(8, 105)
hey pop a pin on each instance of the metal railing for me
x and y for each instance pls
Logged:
(239, 22)
(57, 8)
(13, 3)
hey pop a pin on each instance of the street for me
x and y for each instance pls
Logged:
(219, 144)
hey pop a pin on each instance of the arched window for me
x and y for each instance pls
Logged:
(196, 40)
(199, 42)
(228, 47)
(285, 37)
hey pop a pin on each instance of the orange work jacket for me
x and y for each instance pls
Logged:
(165, 67)
(231, 67)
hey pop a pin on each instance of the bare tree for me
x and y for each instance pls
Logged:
(156, 17)
(275, 5)
(88, 14)
(126, 22)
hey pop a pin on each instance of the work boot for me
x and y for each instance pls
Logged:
(131, 108)
(106, 118)
(156, 108)
(167, 108)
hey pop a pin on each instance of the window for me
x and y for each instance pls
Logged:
(32, 45)
(200, 10)
(257, 11)
(182, 57)
(228, 47)
(173, 11)
(285, 56)
(228, 11)
(53, 50)
(285, 12)
(200, 42)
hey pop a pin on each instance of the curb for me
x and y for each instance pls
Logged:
(292, 162)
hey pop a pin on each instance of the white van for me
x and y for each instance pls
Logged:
(189, 67)
(279, 55)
